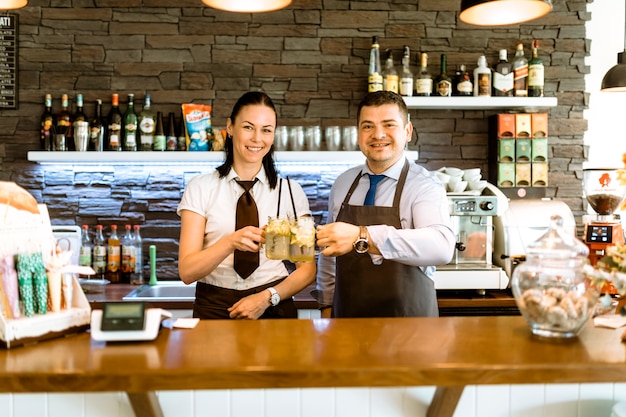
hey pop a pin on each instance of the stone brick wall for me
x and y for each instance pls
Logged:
(311, 58)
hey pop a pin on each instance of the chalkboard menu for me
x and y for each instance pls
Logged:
(8, 61)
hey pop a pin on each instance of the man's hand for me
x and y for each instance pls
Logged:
(337, 238)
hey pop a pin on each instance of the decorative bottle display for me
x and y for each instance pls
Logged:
(99, 260)
(159, 133)
(406, 78)
(146, 125)
(47, 125)
(136, 276)
(423, 79)
(63, 125)
(86, 247)
(129, 139)
(171, 139)
(375, 77)
(114, 256)
(181, 142)
(443, 83)
(463, 85)
(520, 71)
(535, 73)
(128, 254)
(503, 76)
(390, 75)
(97, 129)
(482, 78)
(114, 120)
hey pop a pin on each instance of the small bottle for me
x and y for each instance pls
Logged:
(503, 76)
(114, 256)
(423, 79)
(160, 139)
(375, 77)
(97, 129)
(390, 75)
(86, 249)
(482, 78)
(463, 85)
(406, 78)
(128, 254)
(99, 260)
(129, 139)
(136, 277)
(146, 125)
(79, 114)
(520, 71)
(64, 123)
(171, 139)
(114, 130)
(181, 142)
(443, 83)
(535, 73)
(47, 125)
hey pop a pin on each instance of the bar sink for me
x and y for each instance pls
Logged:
(163, 291)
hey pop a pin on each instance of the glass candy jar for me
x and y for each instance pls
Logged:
(551, 289)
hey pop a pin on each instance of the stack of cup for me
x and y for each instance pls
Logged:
(296, 138)
(333, 138)
(458, 180)
(313, 138)
(281, 139)
(349, 138)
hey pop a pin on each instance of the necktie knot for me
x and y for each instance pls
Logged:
(371, 193)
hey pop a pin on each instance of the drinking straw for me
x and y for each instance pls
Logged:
(280, 189)
(291, 195)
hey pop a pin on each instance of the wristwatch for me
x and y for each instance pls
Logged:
(274, 297)
(361, 245)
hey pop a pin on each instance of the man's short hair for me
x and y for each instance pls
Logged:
(379, 98)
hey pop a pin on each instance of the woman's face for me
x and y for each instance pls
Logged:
(252, 132)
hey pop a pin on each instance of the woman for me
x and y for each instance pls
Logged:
(209, 237)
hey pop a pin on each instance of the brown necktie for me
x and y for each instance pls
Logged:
(246, 215)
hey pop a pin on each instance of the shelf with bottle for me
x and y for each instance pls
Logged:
(479, 103)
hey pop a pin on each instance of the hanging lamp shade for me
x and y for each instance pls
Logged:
(614, 80)
(247, 6)
(502, 12)
(12, 4)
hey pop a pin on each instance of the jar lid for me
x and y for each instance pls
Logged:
(556, 244)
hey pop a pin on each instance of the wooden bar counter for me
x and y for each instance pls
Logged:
(447, 352)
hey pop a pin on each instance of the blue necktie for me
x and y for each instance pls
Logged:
(371, 193)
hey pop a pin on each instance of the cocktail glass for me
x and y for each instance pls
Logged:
(277, 238)
(302, 247)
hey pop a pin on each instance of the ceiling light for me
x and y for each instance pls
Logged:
(502, 12)
(614, 80)
(247, 6)
(12, 4)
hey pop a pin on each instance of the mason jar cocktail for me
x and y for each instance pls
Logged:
(277, 238)
(302, 247)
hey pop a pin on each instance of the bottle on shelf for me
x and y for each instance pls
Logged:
(520, 72)
(443, 83)
(159, 133)
(86, 249)
(47, 125)
(129, 138)
(503, 76)
(80, 126)
(114, 258)
(423, 79)
(99, 260)
(63, 125)
(181, 142)
(146, 125)
(97, 129)
(375, 77)
(114, 130)
(406, 77)
(79, 114)
(463, 85)
(128, 254)
(390, 75)
(535, 73)
(136, 277)
(482, 78)
(171, 138)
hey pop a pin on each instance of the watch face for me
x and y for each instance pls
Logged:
(361, 246)
(275, 299)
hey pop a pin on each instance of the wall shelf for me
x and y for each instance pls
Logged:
(479, 103)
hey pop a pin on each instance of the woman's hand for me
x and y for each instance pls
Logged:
(251, 307)
(248, 239)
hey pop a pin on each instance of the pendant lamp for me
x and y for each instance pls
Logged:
(502, 12)
(247, 6)
(12, 4)
(614, 80)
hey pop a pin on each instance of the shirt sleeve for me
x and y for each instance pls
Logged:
(193, 197)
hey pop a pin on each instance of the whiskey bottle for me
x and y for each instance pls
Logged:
(520, 71)
(97, 129)
(535, 73)
(375, 77)
(406, 78)
(159, 134)
(63, 125)
(114, 257)
(390, 75)
(482, 78)
(114, 130)
(171, 138)
(423, 79)
(503, 76)
(47, 125)
(146, 125)
(443, 83)
(463, 85)
(129, 139)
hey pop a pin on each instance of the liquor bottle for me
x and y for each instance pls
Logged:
(64, 124)
(114, 256)
(97, 129)
(99, 260)
(482, 78)
(181, 143)
(146, 125)
(463, 85)
(535, 73)
(520, 71)
(159, 133)
(171, 138)
(423, 79)
(503, 76)
(129, 139)
(136, 277)
(406, 78)
(390, 75)
(86, 248)
(128, 254)
(375, 77)
(443, 83)
(47, 125)
(79, 114)
(114, 130)
(80, 126)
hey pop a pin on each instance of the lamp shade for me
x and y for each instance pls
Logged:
(247, 6)
(12, 4)
(615, 79)
(502, 12)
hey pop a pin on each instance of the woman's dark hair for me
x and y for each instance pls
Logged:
(252, 98)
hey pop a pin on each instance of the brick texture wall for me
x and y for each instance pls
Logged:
(311, 58)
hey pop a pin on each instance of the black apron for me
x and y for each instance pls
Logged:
(390, 289)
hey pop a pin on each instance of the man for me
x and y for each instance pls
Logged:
(378, 259)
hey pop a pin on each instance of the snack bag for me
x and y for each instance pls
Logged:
(198, 127)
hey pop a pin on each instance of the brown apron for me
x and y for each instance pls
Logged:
(390, 289)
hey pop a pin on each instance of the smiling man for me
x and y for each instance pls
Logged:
(388, 224)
